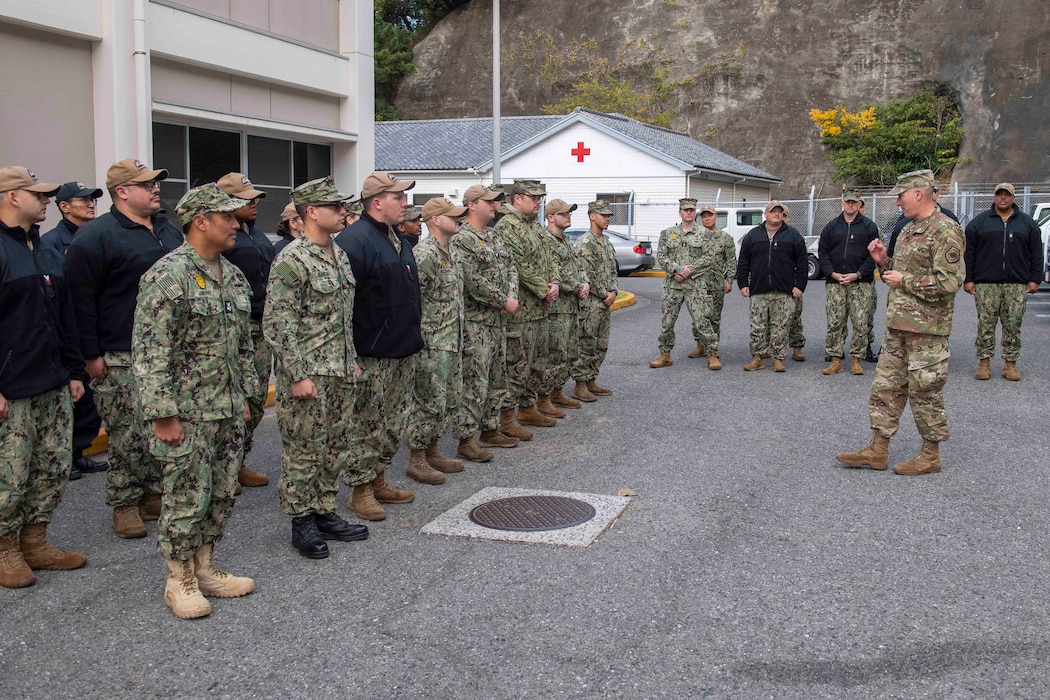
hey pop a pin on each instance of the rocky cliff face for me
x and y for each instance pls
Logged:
(752, 70)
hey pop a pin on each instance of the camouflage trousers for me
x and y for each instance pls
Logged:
(526, 362)
(850, 302)
(562, 350)
(438, 387)
(997, 303)
(383, 395)
(796, 338)
(874, 305)
(133, 470)
(698, 301)
(199, 478)
(912, 366)
(315, 437)
(484, 379)
(36, 442)
(770, 318)
(595, 324)
(263, 369)
(718, 300)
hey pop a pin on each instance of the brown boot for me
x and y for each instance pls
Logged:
(558, 398)
(713, 362)
(778, 365)
(875, 456)
(544, 406)
(984, 369)
(928, 461)
(1010, 371)
(182, 593)
(598, 390)
(363, 503)
(663, 361)
(755, 364)
(797, 356)
(530, 416)
(509, 425)
(470, 449)
(40, 554)
(249, 478)
(149, 507)
(237, 491)
(127, 522)
(443, 464)
(700, 351)
(14, 572)
(494, 438)
(854, 366)
(835, 367)
(385, 493)
(420, 470)
(216, 582)
(582, 393)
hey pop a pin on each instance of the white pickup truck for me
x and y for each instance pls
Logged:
(1041, 214)
(737, 221)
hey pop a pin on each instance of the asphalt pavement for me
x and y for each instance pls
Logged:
(750, 564)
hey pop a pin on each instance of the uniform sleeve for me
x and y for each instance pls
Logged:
(425, 261)
(281, 316)
(728, 259)
(664, 257)
(86, 269)
(948, 270)
(153, 337)
(590, 256)
(483, 289)
(528, 275)
(867, 267)
(246, 350)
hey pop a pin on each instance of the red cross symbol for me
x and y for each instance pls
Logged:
(580, 152)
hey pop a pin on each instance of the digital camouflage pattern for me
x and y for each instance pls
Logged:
(796, 338)
(598, 261)
(722, 273)
(850, 302)
(997, 303)
(437, 388)
(484, 365)
(698, 301)
(384, 394)
(679, 248)
(563, 322)
(262, 361)
(488, 271)
(526, 362)
(770, 319)
(204, 200)
(913, 367)
(525, 239)
(36, 442)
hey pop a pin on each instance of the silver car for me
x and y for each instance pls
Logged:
(631, 255)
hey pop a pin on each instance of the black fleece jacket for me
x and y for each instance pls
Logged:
(843, 248)
(772, 266)
(1000, 251)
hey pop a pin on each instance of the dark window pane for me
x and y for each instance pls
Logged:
(311, 161)
(271, 206)
(268, 161)
(169, 149)
(422, 198)
(213, 154)
(170, 194)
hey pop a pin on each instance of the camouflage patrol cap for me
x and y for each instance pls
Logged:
(15, 177)
(204, 200)
(411, 214)
(558, 206)
(319, 191)
(1004, 186)
(355, 208)
(773, 204)
(438, 206)
(707, 209)
(238, 185)
(490, 193)
(687, 203)
(599, 206)
(851, 196)
(916, 178)
(534, 188)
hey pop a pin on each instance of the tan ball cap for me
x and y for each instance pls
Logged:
(15, 177)
(238, 185)
(558, 206)
(380, 182)
(131, 170)
(476, 192)
(438, 206)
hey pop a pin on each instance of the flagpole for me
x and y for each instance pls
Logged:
(495, 92)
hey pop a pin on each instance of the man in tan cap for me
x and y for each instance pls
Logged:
(387, 334)
(43, 375)
(253, 255)
(105, 263)
(598, 262)
(563, 335)
(924, 276)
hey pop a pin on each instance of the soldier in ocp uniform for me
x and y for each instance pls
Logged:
(598, 261)
(564, 319)
(718, 270)
(924, 275)
(193, 363)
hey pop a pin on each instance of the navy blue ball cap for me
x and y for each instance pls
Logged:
(76, 189)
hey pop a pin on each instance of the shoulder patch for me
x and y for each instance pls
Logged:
(953, 254)
(169, 285)
(285, 271)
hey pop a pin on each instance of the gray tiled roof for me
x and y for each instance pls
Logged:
(462, 144)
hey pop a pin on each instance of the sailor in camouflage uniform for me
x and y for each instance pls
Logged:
(192, 354)
(598, 261)
(718, 272)
(308, 322)
(564, 319)
(924, 275)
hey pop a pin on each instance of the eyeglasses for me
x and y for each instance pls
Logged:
(88, 201)
(149, 185)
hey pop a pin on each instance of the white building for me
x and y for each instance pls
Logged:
(641, 169)
(281, 90)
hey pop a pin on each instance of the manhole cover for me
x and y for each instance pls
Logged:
(532, 513)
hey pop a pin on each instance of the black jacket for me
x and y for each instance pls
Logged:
(104, 264)
(253, 254)
(843, 248)
(772, 266)
(1003, 251)
(61, 236)
(39, 348)
(387, 304)
(901, 222)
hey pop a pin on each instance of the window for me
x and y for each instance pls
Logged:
(419, 200)
(620, 203)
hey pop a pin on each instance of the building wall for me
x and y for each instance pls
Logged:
(313, 22)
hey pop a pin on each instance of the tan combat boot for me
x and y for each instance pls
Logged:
(778, 365)
(928, 461)
(40, 554)
(544, 406)
(530, 416)
(560, 399)
(14, 572)
(755, 364)
(385, 493)
(700, 351)
(127, 522)
(494, 438)
(216, 582)
(598, 390)
(875, 456)
(1010, 371)
(181, 592)
(854, 366)
(984, 369)
(149, 507)
(663, 361)
(509, 425)
(247, 477)
(443, 464)
(420, 470)
(713, 362)
(363, 503)
(835, 367)
(470, 449)
(797, 356)
(582, 393)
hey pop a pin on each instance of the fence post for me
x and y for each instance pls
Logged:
(812, 194)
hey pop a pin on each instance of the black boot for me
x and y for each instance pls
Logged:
(307, 539)
(869, 356)
(333, 527)
(86, 465)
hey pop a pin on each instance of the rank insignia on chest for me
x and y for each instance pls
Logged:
(47, 280)
(229, 308)
(200, 280)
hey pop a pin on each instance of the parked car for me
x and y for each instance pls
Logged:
(631, 255)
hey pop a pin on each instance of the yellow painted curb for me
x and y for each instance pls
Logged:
(648, 273)
(623, 302)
